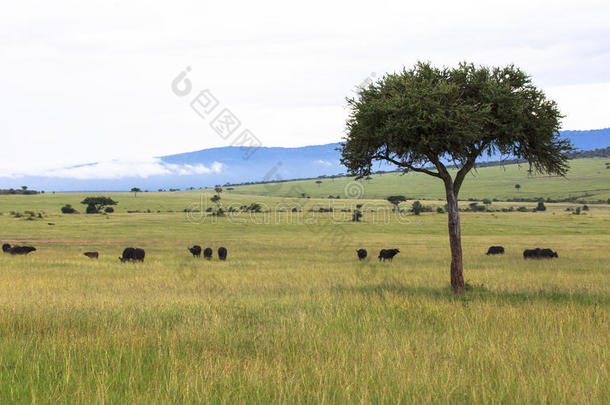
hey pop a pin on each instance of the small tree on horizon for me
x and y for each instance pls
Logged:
(395, 200)
(422, 118)
(135, 191)
(216, 200)
(517, 186)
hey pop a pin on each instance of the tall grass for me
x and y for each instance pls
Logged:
(292, 316)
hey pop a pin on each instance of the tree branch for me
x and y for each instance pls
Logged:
(407, 165)
(461, 174)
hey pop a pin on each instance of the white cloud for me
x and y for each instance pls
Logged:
(323, 162)
(90, 81)
(116, 169)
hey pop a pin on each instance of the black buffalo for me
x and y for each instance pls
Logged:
(387, 254)
(207, 253)
(495, 250)
(6, 247)
(361, 254)
(195, 251)
(92, 255)
(539, 254)
(21, 250)
(132, 255)
(222, 253)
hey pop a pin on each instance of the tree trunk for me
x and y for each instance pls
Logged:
(455, 241)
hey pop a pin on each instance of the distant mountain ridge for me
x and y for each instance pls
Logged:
(234, 164)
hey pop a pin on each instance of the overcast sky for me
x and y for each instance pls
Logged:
(87, 81)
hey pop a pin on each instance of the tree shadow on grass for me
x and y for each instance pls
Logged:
(477, 293)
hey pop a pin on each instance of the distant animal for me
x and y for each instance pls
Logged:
(21, 250)
(495, 250)
(6, 247)
(207, 253)
(92, 255)
(539, 254)
(387, 254)
(222, 253)
(195, 251)
(361, 254)
(132, 255)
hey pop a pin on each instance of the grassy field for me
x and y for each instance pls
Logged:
(292, 316)
(588, 179)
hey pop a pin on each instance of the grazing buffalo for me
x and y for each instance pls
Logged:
(361, 254)
(207, 253)
(6, 247)
(539, 254)
(92, 255)
(495, 250)
(387, 254)
(222, 253)
(132, 255)
(195, 251)
(21, 250)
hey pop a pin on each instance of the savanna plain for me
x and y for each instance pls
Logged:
(292, 316)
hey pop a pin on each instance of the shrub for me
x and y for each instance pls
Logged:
(254, 207)
(475, 207)
(68, 209)
(417, 208)
(522, 209)
(109, 210)
(540, 206)
(440, 210)
(91, 209)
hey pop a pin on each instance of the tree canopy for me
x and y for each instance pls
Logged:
(396, 200)
(97, 204)
(424, 116)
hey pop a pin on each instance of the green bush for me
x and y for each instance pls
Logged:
(68, 209)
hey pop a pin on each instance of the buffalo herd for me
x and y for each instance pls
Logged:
(207, 252)
(131, 254)
(538, 253)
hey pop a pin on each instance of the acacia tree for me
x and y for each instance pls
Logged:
(97, 204)
(135, 191)
(427, 119)
(395, 200)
